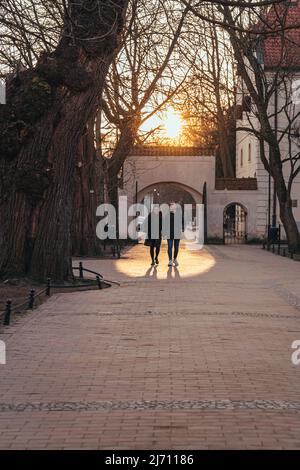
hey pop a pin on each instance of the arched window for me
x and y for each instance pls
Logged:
(242, 157)
(249, 152)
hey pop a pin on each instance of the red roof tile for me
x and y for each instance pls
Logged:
(282, 47)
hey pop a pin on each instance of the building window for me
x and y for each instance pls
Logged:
(242, 157)
(249, 153)
(294, 202)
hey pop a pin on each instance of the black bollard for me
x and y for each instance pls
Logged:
(48, 287)
(7, 313)
(99, 282)
(31, 299)
(80, 270)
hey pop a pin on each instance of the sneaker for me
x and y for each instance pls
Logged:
(156, 261)
(153, 263)
(170, 263)
(176, 262)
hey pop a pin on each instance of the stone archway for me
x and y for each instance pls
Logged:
(163, 192)
(143, 171)
(196, 197)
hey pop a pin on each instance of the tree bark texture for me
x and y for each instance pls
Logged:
(41, 125)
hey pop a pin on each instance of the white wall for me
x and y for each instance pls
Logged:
(219, 200)
(190, 172)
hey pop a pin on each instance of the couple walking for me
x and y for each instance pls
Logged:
(158, 227)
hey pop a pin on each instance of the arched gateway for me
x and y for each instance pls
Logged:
(187, 167)
(163, 191)
(235, 224)
(151, 171)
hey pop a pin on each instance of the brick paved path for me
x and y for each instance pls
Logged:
(198, 357)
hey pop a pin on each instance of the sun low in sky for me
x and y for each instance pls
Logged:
(169, 122)
(172, 124)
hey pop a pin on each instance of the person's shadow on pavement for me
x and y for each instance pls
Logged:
(170, 271)
(177, 273)
(151, 272)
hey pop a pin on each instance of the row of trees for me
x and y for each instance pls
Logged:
(85, 76)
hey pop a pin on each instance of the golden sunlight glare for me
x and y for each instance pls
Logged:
(172, 124)
(166, 125)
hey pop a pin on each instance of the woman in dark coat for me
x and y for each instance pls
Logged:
(153, 228)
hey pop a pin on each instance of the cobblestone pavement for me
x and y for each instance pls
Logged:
(197, 357)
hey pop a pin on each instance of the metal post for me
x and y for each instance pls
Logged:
(205, 213)
(48, 287)
(7, 313)
(136, 192)
(268, 239)
(80, 270)
(99, 282)
(31, 299)
(274, 214)
(269, 212)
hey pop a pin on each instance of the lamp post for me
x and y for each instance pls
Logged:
(269, 210)
(136, 192)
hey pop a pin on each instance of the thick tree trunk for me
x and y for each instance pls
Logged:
(88, 196)
(46, 113)
(121, 152)
(225, 153)
(286, 211)
(113, 188)
(223, 131)
(291, 229)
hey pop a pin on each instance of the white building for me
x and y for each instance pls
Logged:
(283, 59)
(231, 203)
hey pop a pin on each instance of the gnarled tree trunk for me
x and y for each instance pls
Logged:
(45, 115)
(88, 196)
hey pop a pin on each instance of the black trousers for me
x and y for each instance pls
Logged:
(155, 249)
